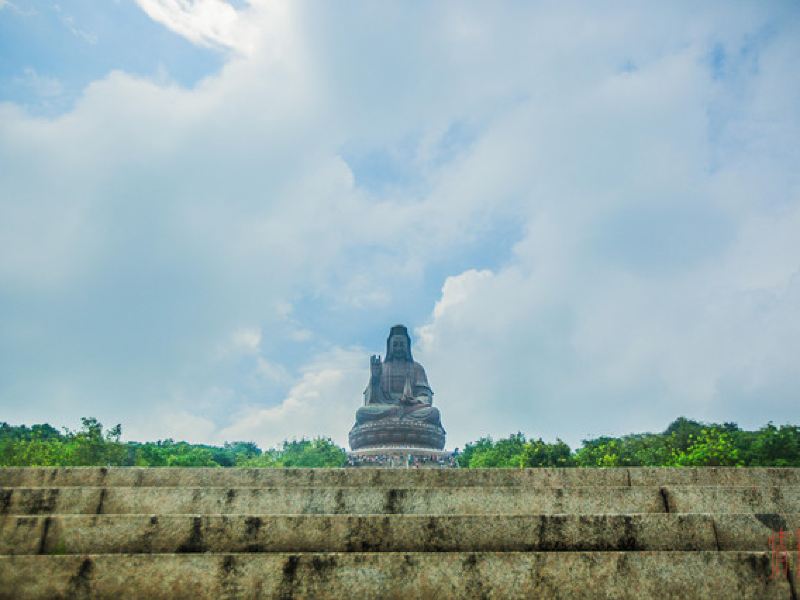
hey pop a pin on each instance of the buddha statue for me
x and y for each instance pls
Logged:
(398, 401)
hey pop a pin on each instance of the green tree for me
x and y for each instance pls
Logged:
(713, 447)
(318, 452)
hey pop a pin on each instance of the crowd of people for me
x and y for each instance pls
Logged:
(410, 461)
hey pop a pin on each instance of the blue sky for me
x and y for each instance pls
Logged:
(211, 213)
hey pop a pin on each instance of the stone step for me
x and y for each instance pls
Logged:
(166, 534)
(397, 478)
(442, 501)
(619, 575)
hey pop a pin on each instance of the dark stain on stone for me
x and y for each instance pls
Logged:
(551, 533)
(26, 522)
(139, 478)
(472, 574)
(80, 584)
(339, 501)
(45, 530)
(103, 473)
(541, 532)
(44, 501)
(228, 565)
(393, 496)
(792, 585)
(99, 509)
(628, 541)
(146, 541)
(229, 579)
(5, 500)
(665, 499)
(323, 566)
(760, 565)
(623, 566)
(390, 501)
(772, 520)
(230, 496)
(195, 541)
(716, 533)
(288, 580)
(777, 497)
(433, 535)
(363, 535)
(252, 525)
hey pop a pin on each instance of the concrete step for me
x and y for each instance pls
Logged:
(393, 478)
(619, 575)
(437, 501)
(109, 534)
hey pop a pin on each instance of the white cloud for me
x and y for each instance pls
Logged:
(213, 23)
(322, 402)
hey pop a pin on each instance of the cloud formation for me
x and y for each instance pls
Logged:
(212, 23)
(588, 216)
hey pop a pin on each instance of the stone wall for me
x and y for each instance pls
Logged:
(397, 533)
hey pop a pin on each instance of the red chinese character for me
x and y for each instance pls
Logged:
(778, 554)
(797, 556)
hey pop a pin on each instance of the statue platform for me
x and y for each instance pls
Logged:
(401, 457)
(397, 432)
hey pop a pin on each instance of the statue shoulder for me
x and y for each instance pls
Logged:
(419, 372)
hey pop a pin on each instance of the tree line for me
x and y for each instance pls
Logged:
(684, 443)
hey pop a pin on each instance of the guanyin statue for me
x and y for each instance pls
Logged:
(398, 406)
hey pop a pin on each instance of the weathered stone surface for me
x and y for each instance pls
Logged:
(366, 533)
(397, 478)
(110, 534)
(721, 476)
(619, 575)
(442, 501)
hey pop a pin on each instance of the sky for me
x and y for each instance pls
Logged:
(212, 212)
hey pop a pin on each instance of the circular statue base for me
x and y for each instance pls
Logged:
(397, 433)
(401, 457)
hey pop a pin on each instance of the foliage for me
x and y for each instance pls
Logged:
(319, 452)
(685, 442)
(711, 448)
(43, 445)
(515, 451)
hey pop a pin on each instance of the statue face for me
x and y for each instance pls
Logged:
(399, 346)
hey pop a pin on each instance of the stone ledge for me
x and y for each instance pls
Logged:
(267, 477)
(619, 575)
(120, 534)
(365, 500)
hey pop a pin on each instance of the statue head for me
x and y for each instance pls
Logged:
(398, 345)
